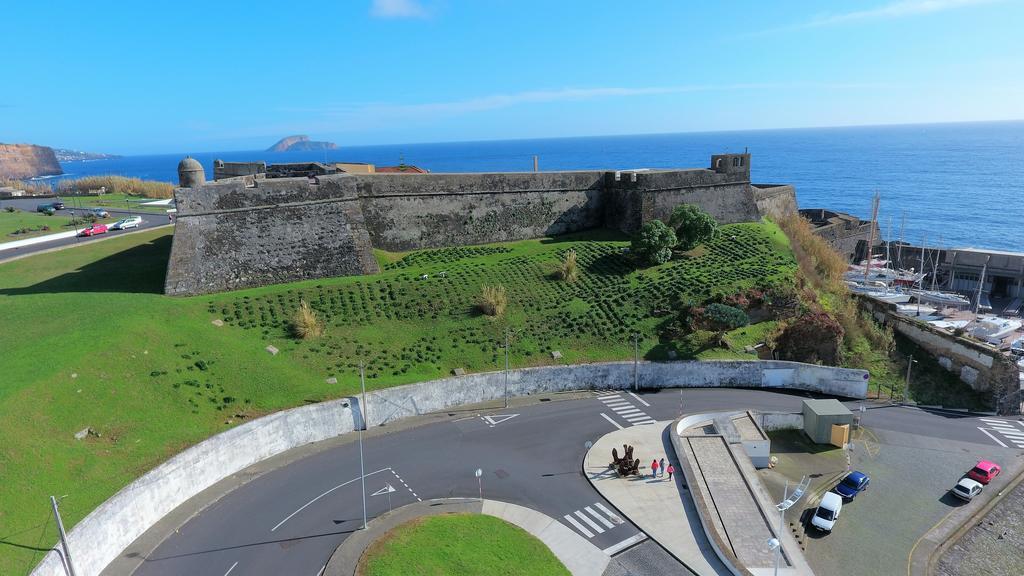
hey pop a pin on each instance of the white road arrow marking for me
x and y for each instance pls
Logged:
(387, 488)
(496, 419)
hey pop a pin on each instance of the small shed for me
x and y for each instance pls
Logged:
(821, 415)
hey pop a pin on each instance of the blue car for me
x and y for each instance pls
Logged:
(853, 484)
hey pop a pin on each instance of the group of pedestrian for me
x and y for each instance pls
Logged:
(659, 469)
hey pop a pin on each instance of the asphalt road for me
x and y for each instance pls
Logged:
(149, 220)
(289, 521)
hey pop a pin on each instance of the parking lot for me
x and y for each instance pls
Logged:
(909, 493)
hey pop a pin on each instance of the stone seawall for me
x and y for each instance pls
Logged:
(106, 532)
(249, 232)
(977, 365)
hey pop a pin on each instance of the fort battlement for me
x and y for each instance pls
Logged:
(246, 232)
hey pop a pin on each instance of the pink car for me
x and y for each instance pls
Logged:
(984, 471)
(94, 230)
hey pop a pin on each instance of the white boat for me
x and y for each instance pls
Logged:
(879, 291)
(949, 324)
(916, 310)
(941, 298)
(993, 328)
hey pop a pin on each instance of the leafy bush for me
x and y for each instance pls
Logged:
(305, 324)
(724, 317)
(653, 243)
(692, 226)
(814, 337)
(568, 270)
(493, 300)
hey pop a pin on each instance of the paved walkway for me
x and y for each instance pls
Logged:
(577, 554)
(661, 508)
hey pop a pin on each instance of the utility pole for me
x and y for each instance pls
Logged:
(636, 362)
(910, 364)
(63, 538)
(362, 413)
(506, 368)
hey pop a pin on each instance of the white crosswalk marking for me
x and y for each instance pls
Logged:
(586, 520)
(1000, 430)
(589, 522)
(579, 526)
(625, 409)
(599, 517)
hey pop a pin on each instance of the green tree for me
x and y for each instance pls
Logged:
(653, 244)
(692, 226)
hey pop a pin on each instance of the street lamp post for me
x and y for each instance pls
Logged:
(63, 538)
(910, 364)
(506, 368)
(636, 362)
(479, 483)
(362, 425)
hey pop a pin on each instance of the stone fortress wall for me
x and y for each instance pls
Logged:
(250, 231)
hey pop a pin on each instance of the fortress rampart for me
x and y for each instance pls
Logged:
(246, 232)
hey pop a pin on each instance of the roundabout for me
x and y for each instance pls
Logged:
(290, 515)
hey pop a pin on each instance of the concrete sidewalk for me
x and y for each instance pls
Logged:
(661, 508)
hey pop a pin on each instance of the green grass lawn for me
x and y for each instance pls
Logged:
(34, 222)
(464, 544)
(89, 340)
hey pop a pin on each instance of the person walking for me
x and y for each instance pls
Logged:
(654, 468)
(661, 467)
(671, 470)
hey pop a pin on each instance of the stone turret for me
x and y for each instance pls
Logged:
(190, 173)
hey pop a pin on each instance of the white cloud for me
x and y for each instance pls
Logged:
(397, 9)
(891, 11)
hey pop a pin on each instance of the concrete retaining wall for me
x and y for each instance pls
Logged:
(771, 421)
(111, 528)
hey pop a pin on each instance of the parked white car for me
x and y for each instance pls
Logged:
(828, 512)
(126, 223)
(966, 489)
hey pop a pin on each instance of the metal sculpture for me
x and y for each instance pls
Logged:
(627, 465)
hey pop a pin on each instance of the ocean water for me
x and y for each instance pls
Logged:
(956, 185)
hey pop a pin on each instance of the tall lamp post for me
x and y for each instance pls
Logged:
(63, 538)
(636, 362)
(362, 425)
(506, 368)
(910, 364)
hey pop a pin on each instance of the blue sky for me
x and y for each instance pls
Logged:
(211, 76)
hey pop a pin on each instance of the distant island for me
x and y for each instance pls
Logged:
(300, 143)
(66, 155)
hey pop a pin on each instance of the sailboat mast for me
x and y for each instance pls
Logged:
(899, 250)
(871, 235)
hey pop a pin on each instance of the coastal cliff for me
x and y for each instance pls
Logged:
(300, 143)
(21, 161)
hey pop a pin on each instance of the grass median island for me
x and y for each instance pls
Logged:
(22, 224)
(465, 544)
(90, 341)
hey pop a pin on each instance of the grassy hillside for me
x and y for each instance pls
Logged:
(90, 341)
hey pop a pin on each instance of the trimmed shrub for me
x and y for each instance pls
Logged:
(692, 226)
(493, 300)
(724, 317)
(305, 323)
(653, 243)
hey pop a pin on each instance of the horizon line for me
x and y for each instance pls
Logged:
(619, 135)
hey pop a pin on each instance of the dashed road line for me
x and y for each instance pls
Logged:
(307, 504)
(414, 495)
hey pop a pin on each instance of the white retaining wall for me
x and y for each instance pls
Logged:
(114, 525)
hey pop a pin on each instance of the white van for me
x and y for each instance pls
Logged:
(828, 512)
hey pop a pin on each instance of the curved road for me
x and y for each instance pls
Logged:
(149, 220)
(290, 520)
